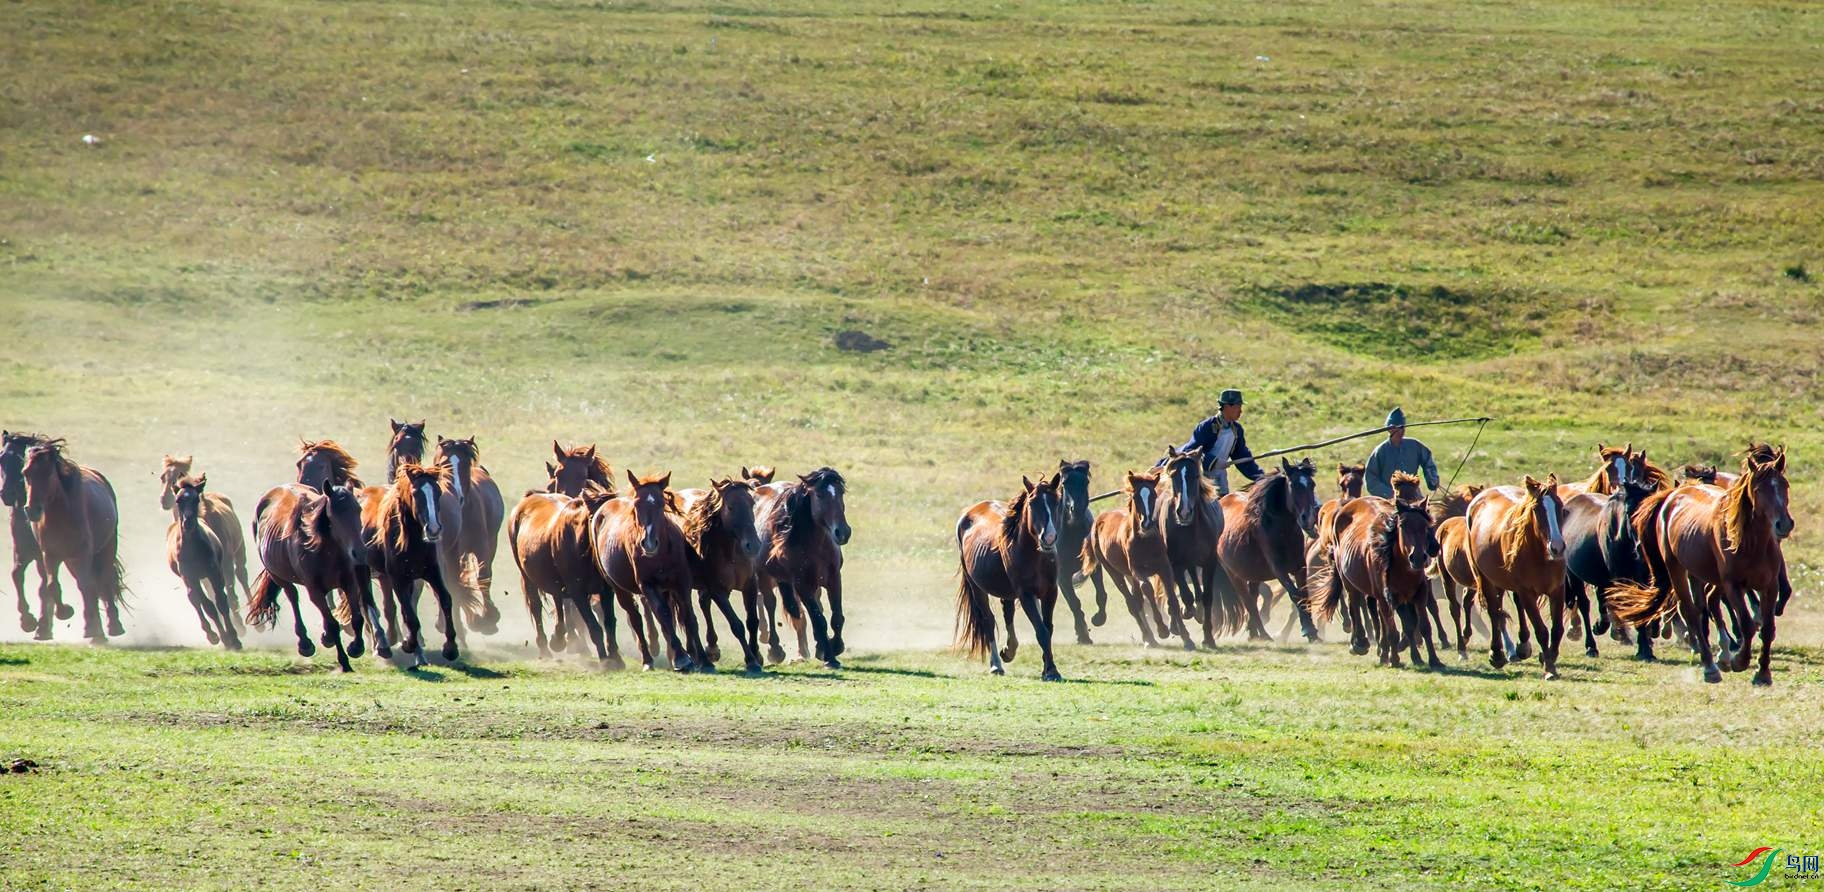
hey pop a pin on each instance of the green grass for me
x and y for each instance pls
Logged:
(194, 769)
(642, 224)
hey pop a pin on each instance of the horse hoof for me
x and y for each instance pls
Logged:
(1646, 657)
(775, 654)
(1007, 654)
(1551, 675)
(342, 664)
(997, 671)
(43, 633)
(1435, 665)
(1497, 660)
(755, 669)
(1083, 638)
(615, 663)
(832, 663)
(1051, 675)
(234, 645)
(421, 662)
(449, 651)
(28, 623)
(1590, 652)
(305, 648)
(1763, 679)
(1712, 675)
(356, 648)
(1600, 627)
(484, 628)
(213, 638)
(1100, 618)
(384, 653)
(115, 629)
(837, 647)
(713, 654)
(706, 668)
(326, 641)
(65, 611)
(1190, 646)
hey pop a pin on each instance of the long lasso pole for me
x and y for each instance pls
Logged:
(1306, 447)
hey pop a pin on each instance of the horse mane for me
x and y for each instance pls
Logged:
(396, 505)
(1515, 527)
(703, 513)
(1657, 476)
(1700, 473)
(28, 439)
(1404, 481)
(1384, 536)
(66, 467)
(791, 513)
(341, 464)
(599, 470)
(1259, 496)
(1599, 481)
(1737, 503)
(1454, 503)
(1010, 525)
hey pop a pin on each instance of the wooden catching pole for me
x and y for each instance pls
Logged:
(1272, 453)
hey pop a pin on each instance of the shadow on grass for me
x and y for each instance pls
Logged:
(14, 661)
(882, 670)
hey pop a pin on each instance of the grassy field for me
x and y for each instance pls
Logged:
(642, 224)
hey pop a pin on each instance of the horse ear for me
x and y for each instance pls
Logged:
(632, 479)
(1531, 484)
(590, 454)
(745, 473)
(1601, 447)
(1628, 449)
(557, 450)
(1171, 451)
(665, 481)
(202, 480)
(420, 424)
(550, 471)
(1026, 482)
(1779, 460)
(440, 439)
(1285, 465)
(1551, 481)
(395, 425)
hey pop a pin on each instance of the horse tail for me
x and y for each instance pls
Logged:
(1323, 589)
(116, 579)
(263, 602)
(1086, 560)
(974, 617)
(1632, 602)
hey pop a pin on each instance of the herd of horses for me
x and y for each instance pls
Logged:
(581, 542)
(1664, 558)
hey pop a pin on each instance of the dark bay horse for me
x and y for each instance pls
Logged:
(1073, 532)
(1516, 544)
(478, 536)
(194, 553)
(324, 463)
(724, 554)
(1009, 551)
(640, 550)
(13, 446)
(76, 522)
(1191, 521)
(1728, 541)
(548, 534)
(803, 527)
(1601, 547)
(309, 538)
(576, 467)
(1381, 551)
(402, 527)
(1263, 539)
(1126, 542)
(406, 445)
(219, 516)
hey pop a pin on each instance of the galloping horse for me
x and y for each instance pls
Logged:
(1601, 548)
(548, 534)
(477, 537)
(324, 463)
(1009, 551)
(1726, 539)
(311, 538)
(1516, 543)
(1450, 526)
(1349, 479)
(75, 520)
(640, 549)
(407, 444)
(1615, 466)
(1263, 539)
(13, 446)
(724, 552)
(1191, 522)
(576, 467)
(1073, 532)
(402, 527)
(1126, 542)
(194, 553)
(804, 525)
(1381, 551)
(218, 515)
(1709, 474)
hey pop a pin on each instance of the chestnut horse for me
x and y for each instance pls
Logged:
(407, 444)
(1191, 522)
(1450, 526)
(803, 527)
(219, 516)
(13, 446)
(1126, 542)
(548, 534)
(1516, 544)
(1729, 541)
(324, 463)
(724, 553)
(576, 467)
(310, 538)
(194, 554)
(640, 549)
(75, 520)
(1009, 551)
(478, 537)
(1380, 553)
(1073, 533)
(758, 475)
(402, 526)
(1263, 539)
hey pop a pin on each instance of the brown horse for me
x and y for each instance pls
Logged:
(311, 539)
(219, 516)
(1381, 550)
(758, 475)
(194, 554)
(482, 510)
(640, 549)
(1450, 526)
(75, 520)
(13, 446)
(1349, 479)
(1126, 542)
(406, 445)
(1009, 551)
(577, 467)
(1263, 539)
(324, 463)
(1191, 521)
(1616, 465)
(1729, 541)
(724, 553)
(548, 534)
(403, 528)
(803, 527)
(1516, 544)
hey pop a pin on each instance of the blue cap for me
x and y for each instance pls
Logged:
(1396, 418)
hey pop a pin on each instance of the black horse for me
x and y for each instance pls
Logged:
(1074, 522)
(1602, 549)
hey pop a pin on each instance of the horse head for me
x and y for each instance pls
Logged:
(1185, 472)
(186, 496)
(1412, 525)
(175, 469)
(827, 492)
(1769, 492)
(1142, 496)
(13, 446)
(419, 485)
(1547, 514)
(42, 472)
(735, 499)
(758, 475)
(1301, 494)
(343, 508)
(1040, 517)
(650, 499)
(460, 456)
(576, 467)
(406, 445)
(1073, 494)
(1349, 480)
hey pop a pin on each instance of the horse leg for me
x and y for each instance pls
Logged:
(1356, 609)
(27, 622)
(408, 612)
(305, 648)
(391, 595)
(224, 610)
(794, 614)
(1491, 602)
(370, 607)
(693, 640)
(770, 599)
(1069, 593)
(1745, 625)
(631, 609)
(1012, 650)
(1769, 608)
(712, 650)
(1522, 649)
(1576, 594)
(1135, 607)
(1426, 625)
(1696, 616)
(1295, 592)
(535, 606)
(332, 630)
(750, 641)
(194, 590)
(1042, 631)
(658, 605)
(1434, 623)
(593, 628)
(1643, 641)
(1549, 646)
(1413, 618)
(445, 606)
(806, 591)
(832, 589)
(1250, 599)
(1151, 595)
(750, 656)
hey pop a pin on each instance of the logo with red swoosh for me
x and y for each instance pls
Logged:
(1760, 876)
